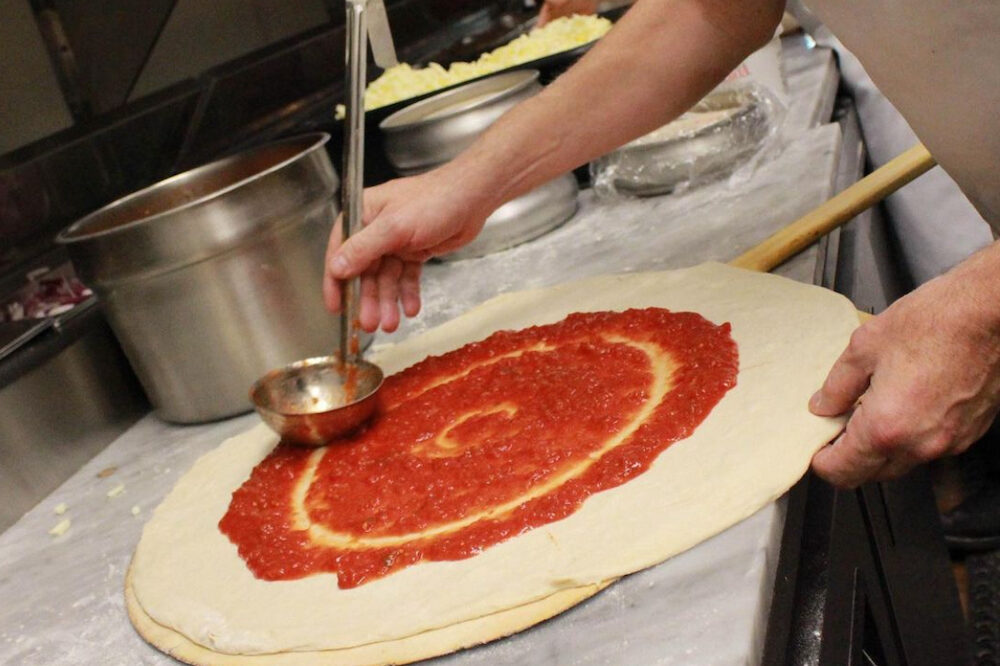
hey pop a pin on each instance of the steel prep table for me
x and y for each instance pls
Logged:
(62, 596)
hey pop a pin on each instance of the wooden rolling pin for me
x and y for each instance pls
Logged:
(841, 208)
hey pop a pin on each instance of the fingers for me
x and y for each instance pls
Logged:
(895, 468)
(879, 443)
(390, 284)
(837, 463)
(409, 288)
(365, 248)
(388, 292)
(847, 381)
(387, 281)
(331, 293)
(368, 310)
(331, 287)
(852, 458)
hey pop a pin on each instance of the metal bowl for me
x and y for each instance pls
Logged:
(524, 218)
(658, 162)
(433, 131)
(314, 401)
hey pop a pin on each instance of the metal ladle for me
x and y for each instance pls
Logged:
(313, 401)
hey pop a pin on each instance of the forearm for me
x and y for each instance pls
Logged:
(661, 58)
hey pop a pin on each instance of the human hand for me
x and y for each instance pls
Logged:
(925, 375)
(406, 222)
(553, 9)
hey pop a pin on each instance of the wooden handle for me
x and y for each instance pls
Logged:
(843, 207)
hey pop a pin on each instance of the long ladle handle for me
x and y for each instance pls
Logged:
(841, 208)
(352, 204)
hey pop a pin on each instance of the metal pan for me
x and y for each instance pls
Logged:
(426, 134)
(651, 166)
(523, 219)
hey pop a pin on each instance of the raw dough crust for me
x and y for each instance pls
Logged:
(754, 445)
(405, 650)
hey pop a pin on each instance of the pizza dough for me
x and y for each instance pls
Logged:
(405, 650)
(188, 578)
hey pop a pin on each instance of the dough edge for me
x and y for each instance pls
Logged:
(433, 643)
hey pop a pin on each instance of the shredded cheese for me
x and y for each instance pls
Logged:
(60, 528)
(403, 81)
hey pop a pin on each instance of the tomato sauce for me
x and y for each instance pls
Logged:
(479, 445)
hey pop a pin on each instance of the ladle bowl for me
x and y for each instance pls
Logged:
(316, 400)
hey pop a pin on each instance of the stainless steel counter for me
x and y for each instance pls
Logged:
(62, 596)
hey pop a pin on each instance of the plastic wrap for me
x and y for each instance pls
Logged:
(722, 132)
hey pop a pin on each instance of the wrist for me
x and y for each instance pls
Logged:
(978, 279)
(473, 182)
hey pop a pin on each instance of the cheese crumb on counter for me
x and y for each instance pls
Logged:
(117, 490)
(60, 528)
(60, 508)
(136, 510)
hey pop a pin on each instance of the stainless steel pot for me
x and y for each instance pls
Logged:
(433, 131)
(213, 277)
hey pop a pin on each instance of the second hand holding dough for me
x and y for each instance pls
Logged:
(928, 386)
